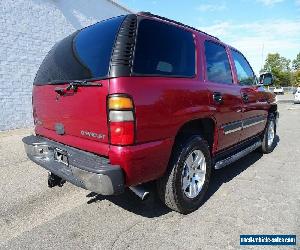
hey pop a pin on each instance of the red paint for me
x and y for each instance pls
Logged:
(77, 111)
(142, 162)
(162, 106)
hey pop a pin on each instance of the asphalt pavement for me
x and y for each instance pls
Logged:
(259, 194)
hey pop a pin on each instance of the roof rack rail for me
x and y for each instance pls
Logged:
(175, 22)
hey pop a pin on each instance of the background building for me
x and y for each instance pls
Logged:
(28, 31)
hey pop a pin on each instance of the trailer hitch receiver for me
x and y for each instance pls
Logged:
(54, 180)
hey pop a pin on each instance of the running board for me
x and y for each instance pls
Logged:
(237, 156)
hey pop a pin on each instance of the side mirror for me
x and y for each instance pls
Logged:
(266, 79)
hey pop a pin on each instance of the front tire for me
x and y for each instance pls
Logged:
(268, 141)
(185, 183)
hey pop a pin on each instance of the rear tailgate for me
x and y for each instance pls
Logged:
(78, 119)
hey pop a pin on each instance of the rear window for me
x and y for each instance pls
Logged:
(163, 50)
(83, 55)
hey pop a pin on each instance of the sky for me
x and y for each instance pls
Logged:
(255, 27)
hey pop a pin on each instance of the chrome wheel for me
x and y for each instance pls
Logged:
(271, 133)
(193, 174)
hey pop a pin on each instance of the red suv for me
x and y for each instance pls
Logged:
(138, 98)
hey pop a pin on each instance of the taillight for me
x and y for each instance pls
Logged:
(121, 120)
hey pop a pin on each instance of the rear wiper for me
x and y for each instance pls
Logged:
(73, 85)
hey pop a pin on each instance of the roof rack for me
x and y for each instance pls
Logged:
(175, 22)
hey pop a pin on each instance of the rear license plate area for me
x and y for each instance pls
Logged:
(61, 156)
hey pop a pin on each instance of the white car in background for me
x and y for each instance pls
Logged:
(278, 91)
(297, 96)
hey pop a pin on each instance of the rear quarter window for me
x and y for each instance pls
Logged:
(163, 50)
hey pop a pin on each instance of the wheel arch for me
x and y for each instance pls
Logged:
(205, 127)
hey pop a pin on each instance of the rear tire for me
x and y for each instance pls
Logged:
(268, 141)
(185, 183)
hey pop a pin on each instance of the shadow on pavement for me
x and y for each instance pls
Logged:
(226, 174)
(150, 208)
(153, 207)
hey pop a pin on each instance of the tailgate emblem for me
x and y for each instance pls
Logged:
(92, 134)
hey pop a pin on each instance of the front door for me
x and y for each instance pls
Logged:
(254, 115)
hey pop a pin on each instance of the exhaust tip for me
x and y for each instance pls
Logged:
(145, 196)
(140, 192)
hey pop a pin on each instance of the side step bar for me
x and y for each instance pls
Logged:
(237, 156)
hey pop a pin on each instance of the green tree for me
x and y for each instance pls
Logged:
(296, 78)
(296, 62)
(280, 68)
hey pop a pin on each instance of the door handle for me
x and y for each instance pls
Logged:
(245, 97)
(217, 96)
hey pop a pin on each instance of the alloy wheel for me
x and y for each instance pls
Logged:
(193, 174)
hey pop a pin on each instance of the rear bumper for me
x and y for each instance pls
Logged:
(83, 169)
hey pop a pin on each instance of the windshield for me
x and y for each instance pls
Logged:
(83, 55)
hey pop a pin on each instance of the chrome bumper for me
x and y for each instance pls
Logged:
(83, 169)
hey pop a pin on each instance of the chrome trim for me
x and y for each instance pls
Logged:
(233, 130)
(83, 169)
(257, 120)
(253, 124)
(237, 156)
(232, 127)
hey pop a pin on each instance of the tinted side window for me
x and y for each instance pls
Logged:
(217, 63)
(244, 72)
(163, 49)
(83, 55)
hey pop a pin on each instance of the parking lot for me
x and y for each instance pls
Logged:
(259, 194)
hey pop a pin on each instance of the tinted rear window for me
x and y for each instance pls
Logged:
(164, 49)
(83, 55)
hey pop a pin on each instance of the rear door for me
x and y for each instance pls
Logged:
(254, 98)
(224, 95)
